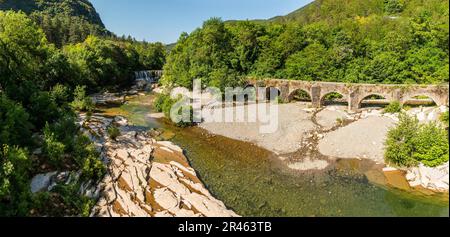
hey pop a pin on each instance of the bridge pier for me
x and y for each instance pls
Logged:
(316, 96)
(353, 101)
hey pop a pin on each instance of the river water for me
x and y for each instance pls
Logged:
(254, 182)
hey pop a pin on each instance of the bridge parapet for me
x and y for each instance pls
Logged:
(355, 93)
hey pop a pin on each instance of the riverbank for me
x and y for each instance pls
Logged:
(255, 182)
(323, 136)
(148, 178)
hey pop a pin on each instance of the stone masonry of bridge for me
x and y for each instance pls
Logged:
(354, 93)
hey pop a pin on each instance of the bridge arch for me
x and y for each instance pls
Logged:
(415, 98)
(300, 95)
(334, 97)
(375, 99)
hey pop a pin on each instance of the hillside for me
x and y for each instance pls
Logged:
(77, 8)
(63, 21)
(351, 41)
(336, 11)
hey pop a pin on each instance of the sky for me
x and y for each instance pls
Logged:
(165, 20)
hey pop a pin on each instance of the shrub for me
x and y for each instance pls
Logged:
(393, 107)
(113, 132)
(60, 94)
(159, 102)
(411, 143)
(72, 200)
(53, 149)
(93, 168)
(87, 158)
(431, 145)
(164, 103)
(444, 118)
(82, 102)
(399, 146)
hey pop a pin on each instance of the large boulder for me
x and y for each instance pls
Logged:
(41, 182)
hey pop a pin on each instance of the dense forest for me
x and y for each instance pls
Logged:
(46, 73)
(63, 21)
(374, 41)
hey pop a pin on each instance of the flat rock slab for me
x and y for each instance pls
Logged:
(294, 123)
(362, 139)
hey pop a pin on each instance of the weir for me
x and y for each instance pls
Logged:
(149, 76)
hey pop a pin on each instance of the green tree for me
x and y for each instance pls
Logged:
(14, 180)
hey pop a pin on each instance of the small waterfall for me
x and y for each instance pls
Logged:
(151, 76)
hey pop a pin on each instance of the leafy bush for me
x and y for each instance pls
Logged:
(53, 149)
(113, 132)
(431, 145)
(73, 200)
(159, 102)
(82, 102)
(394, 6)
(87, 158)
(411, 143)
(14, 177)
(60, 94)
(393, 107)
(399, 145)
(164, 103)
(15, 128)
(444, 118)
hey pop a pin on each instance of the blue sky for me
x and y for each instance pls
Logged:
(164, 20)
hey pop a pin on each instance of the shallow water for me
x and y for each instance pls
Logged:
(254, 182)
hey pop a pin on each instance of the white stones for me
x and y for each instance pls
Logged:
(171, 146)
(121, 121)
(41, 182)
(436, 179)
(126, 192)
(122, 154)
(166, 199)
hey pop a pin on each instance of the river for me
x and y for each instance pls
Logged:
(253, 182)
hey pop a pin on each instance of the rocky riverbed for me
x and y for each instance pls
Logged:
(145, 177)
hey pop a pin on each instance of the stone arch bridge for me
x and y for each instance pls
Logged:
(354, 93)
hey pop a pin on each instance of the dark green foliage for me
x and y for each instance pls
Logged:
(63, 21)
(87, 158)
(373, 41)
(36, 86)
(113, 132)
(52, 148)
(411, 143)
(393, 107)
(15, 127)
(101, 64)
(394, 6)
(70, 202)
(14, 180)
(152, 56)
(82, 102)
